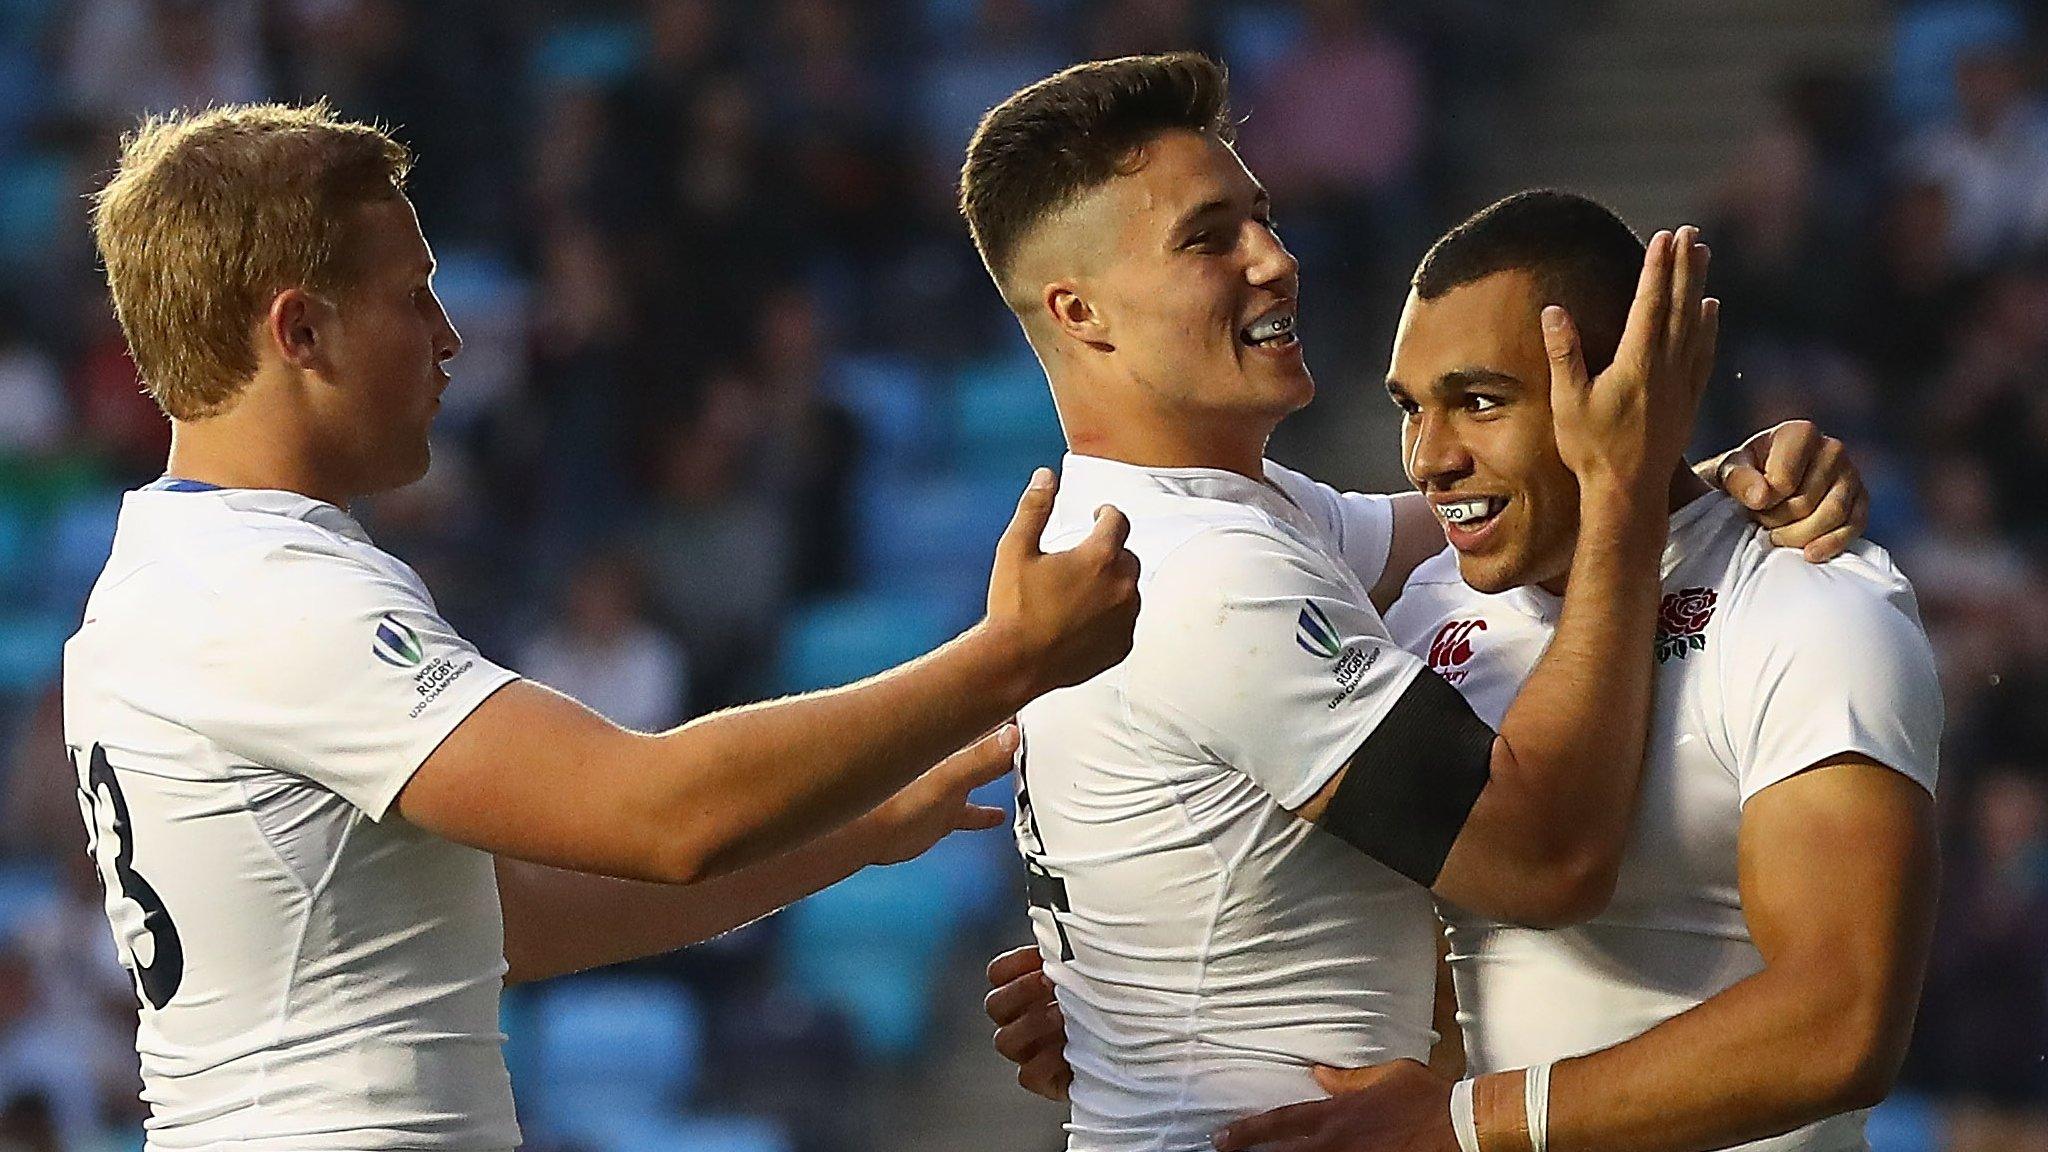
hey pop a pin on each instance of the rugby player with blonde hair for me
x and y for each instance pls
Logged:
(329, 828)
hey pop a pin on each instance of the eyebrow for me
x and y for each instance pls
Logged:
(1459, 379)
(1208, 207)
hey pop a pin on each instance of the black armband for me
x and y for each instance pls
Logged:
(1410, 786)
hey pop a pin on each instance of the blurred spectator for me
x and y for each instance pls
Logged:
(718, 547)
(34, 416)
(600, 648)
(1336, 135)
(1773, 239)
(1990, 158)
(1983, 1029)
(126, 56)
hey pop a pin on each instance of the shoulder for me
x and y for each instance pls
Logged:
(1229, 557)
(1858, 596)
(1434, 591)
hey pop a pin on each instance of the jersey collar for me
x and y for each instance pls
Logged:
(1095, 480)
(267, 501)
(1691, 527)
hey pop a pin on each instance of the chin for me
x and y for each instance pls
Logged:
(1490, 574)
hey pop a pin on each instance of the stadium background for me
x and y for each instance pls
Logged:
(739, 415)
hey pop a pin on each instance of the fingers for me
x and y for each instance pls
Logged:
(1034, 510)
(1833, 513)
(1833, 544)
(978, 818)
(1291, 1122)
(1706, 340)
(1031, 1035)
(1643, 337)
(1742, 478)
(989, 758)
(1046, 1074)
(1688, 284)
(1008, 1002)
(1335, 1080)
(1793, 447)
(1567, 361)
(1014, 963)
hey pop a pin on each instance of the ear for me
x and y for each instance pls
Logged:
(1074, 317)
(294, 327)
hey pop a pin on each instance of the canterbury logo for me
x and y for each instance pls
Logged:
(1452, 648)
(395, 644)
(1314, 632)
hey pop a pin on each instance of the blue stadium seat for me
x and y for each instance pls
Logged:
(32, 648)
(1907, 1122)
(838, 641)
(871, 946)
(698, 1134)
(614, 1049)
(1004, 422)
(890, 400)
(32, 205)
(934, 537)
(26, 891)
(81, 535)
(588, 52)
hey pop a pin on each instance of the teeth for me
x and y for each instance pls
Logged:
(1270, 328)
(1466, 511)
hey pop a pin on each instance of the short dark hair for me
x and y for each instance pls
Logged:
(1583, 256)
(1067, 134)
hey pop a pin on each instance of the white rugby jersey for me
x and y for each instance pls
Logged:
(1766, 666)
(1208, 946)
(253, 685)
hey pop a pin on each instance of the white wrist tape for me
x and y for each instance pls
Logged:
(1461, 1117)
(1536, 1103)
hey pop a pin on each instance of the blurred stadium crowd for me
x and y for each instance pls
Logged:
(739, 415)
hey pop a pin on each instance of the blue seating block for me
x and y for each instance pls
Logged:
(833, 642)
(614, 1049)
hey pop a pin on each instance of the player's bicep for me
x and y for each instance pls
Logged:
(1839, 870)
(534, 775)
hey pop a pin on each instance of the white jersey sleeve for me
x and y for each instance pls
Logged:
(336, 671)
(1254, 653)
(1362, 523)
(1828, 660)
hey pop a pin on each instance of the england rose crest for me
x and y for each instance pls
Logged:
(1682, 622)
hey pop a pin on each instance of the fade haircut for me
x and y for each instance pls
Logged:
(1582, 255)
(211, 214)
(1072, 132)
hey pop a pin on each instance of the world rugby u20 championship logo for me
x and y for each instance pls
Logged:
(1682, 622)
(396, 644)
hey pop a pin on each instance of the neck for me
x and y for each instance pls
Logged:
(241, 448)
(1151, 438)
(1686, 487)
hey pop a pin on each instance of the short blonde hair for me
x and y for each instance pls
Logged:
(211, 214)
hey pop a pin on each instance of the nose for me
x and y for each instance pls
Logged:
(1271, 264)
(448, 343)
(1436, 454)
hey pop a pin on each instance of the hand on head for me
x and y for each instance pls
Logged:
(1629, 425)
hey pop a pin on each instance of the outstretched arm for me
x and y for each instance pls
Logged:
(557, 921)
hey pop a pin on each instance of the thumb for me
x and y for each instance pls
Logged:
(1743, 480)
(1340, 1080)
(1561, 342)
(1111, 529)
(1034, 510)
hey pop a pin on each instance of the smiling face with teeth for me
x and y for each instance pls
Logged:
(1473, 383)
(1167, 315)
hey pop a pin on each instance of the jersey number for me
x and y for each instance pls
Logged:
(1041, 888)
(158, 980)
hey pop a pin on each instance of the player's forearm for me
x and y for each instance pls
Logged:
(1572, 743)
(751, 782)
(1768, 1055)
(557, 922)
